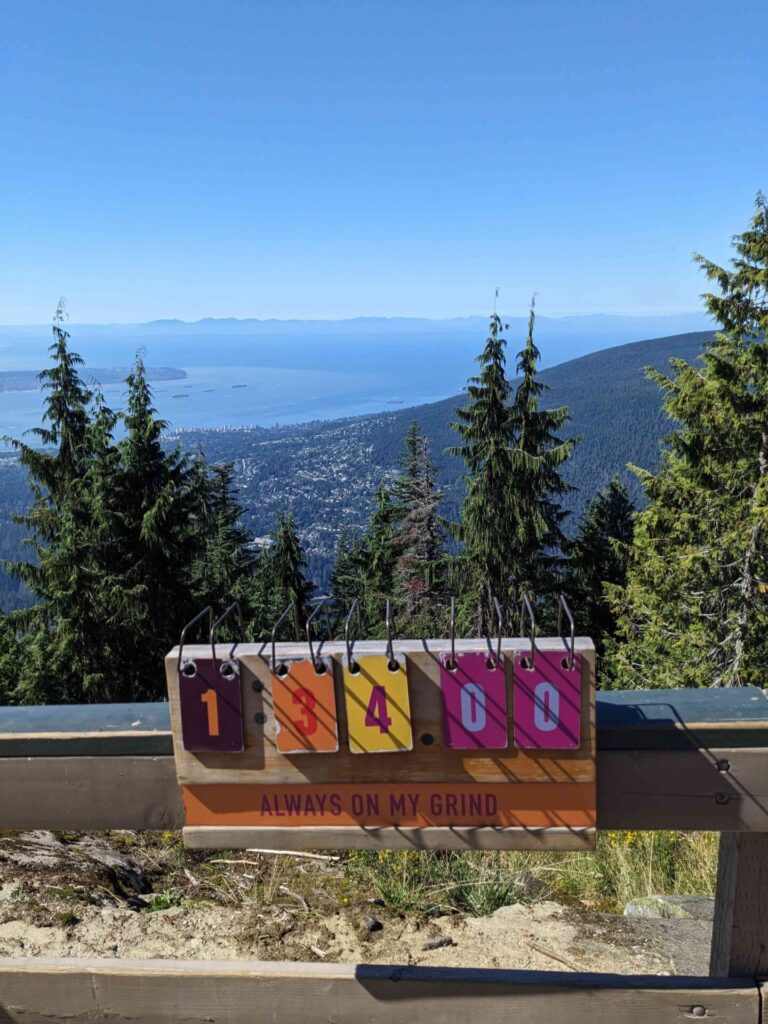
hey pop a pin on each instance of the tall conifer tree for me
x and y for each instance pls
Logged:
(418, 537)
(597, 564)
(487, 433)
(694, 612)
(535, 530)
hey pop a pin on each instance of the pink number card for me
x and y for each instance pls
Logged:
(547, 701)
(474, 702)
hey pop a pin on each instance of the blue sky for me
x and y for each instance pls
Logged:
(331, 159)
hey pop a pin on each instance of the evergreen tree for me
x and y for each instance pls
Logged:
(694, 610)
(347, 575)
(598, 560)
(159, 501)
(417, 540)
(286, 572)
(225, 567)
(379, 561)
(487, 433)
(58, 656)
(535, 531)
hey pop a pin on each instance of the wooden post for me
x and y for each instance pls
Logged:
(740, 931)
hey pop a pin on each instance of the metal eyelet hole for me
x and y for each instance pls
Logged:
(566, 664)
(527, 662)
(353, 668)
(451, 664)
(723, 766)
(320, 668)
(282, 670)
(229, 670)
(491, 664)
(393, 665)
(427, 739)
(189, 669)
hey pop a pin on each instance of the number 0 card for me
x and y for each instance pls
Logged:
(378, 708)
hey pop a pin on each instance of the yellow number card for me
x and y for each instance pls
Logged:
(378, 708)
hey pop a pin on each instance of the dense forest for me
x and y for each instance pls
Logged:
(128, 535)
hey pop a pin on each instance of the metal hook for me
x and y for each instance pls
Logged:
(500, 621)
(527, 607)
(562, 606)
(234, 607)
(291, 608)
(321, 602)
(351, 663)
(193, 622)
(391, 659)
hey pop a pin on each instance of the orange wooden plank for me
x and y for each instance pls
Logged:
(535, 805)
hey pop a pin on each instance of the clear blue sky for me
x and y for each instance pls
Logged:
(330, 159)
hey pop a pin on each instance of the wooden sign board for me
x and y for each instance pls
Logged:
(419, 754)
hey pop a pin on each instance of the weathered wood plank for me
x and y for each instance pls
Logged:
(641, 789)
(359, 838)
(81, 793)
(740, 931)
(161, 992)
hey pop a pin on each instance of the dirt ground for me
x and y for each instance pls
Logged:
(115, 895)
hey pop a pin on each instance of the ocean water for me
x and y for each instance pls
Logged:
(215, 396)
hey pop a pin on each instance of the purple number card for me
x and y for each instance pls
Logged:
(211, 706)
(474, 702)
(547, 701)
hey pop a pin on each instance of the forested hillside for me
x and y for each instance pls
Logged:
(326, 473)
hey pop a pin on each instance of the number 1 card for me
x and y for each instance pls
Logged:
(378, 708)
(211, 707)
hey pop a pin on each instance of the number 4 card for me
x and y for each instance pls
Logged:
(378, 708)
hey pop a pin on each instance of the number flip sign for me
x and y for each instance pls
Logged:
(378, 706)
(547, 698)
(474, 702)
(211, 704)
(305, 708)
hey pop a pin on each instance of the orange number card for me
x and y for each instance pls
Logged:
(378, 708)
(305, 709)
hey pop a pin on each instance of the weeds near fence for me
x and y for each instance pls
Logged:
(625, 865)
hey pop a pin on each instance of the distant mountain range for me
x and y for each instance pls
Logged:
(327, 472)
(443, 349)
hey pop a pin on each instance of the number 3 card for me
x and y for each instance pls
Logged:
(474, 702)
(211, 707)
(378, 708)
(305, 709)
(547, 701)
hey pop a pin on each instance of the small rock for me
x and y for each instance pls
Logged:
(377, 901)
(372, 924)
(698, 908)
(444, 940)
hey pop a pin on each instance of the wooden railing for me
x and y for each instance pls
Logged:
(666, 759)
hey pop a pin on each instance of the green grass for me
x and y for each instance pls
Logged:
(625, 865)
